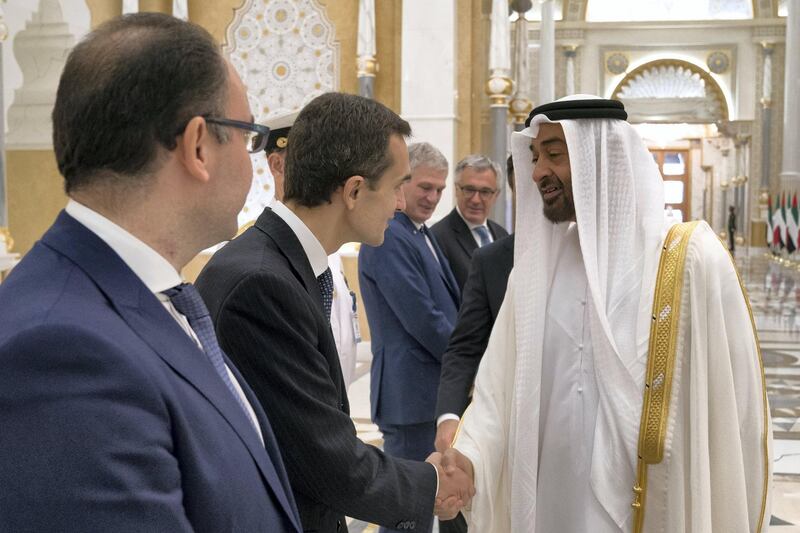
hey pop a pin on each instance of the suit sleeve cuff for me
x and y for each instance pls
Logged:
(437, 478)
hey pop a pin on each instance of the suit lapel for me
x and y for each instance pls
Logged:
(270, 445)
(464, 236)
(496, 229)
(146, 316)
(442, 266)
(446, 272)
(279, 232)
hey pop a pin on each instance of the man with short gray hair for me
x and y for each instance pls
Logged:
(478, 180)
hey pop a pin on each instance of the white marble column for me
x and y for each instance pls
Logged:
(180, 9)
(366, 48)
(766, 128)
(499, 88)
(41, 50)
(428, 88)
(745, 217)
(547, 54)
(570, 52)
(790, 169)
(521, 103)
(725, 185)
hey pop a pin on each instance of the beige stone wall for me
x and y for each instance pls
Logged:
(343, 14)
(472, 51)
(103, 10)
(214, 16)
(35, 192)
(156, 6)
(389, 32)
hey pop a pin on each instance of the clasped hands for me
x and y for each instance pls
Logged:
(456, 487)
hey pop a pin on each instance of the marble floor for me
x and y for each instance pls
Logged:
(774, 291)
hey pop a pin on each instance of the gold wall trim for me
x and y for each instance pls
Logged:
(711, 83)
(660, 359)
(388, 34)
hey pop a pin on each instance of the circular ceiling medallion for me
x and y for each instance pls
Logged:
(617, 63)
(718, 62)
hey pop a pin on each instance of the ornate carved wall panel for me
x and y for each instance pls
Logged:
(286, 54)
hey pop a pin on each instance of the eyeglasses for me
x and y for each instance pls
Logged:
(255, 136)
(469, 191)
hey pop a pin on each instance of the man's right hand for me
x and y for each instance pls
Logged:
(445, 433)
(455, 485)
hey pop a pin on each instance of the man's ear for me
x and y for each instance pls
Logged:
(192, 149)
(352, 190)
(276, 163)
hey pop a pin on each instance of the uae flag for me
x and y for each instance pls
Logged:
(792, 226)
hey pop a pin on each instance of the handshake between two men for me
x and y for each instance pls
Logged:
(456, 487)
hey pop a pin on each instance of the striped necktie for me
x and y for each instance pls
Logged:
(483, 235)
(325, 281)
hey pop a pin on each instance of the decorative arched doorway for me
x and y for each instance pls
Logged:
(670, 91)
(677, 96)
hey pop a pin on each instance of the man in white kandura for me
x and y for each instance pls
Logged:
(582, 421)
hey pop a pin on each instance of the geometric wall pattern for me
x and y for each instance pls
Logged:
(286, 55)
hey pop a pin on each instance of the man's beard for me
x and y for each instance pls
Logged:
(560, 209)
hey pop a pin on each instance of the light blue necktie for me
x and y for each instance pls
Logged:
(483, 235)
(190, 304)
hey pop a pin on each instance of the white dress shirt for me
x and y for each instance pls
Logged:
(155, 272)
(472, 227)
(419, 225)
(311, 245)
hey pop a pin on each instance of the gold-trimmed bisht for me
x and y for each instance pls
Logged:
(660, 360)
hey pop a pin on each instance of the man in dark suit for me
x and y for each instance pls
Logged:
(411, 300)
(481, 300)
(270, 292)
(118, 410)
(468, 227)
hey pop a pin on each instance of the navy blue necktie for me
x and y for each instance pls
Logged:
(426, 234)
(325, 281)
(188, 302)
(483, 235)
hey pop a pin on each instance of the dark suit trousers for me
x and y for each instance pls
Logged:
(456, 525)
(414, 441)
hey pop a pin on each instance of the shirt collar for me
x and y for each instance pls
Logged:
(311, 245)
(469, 224)
(403, 214)
(153, 269)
